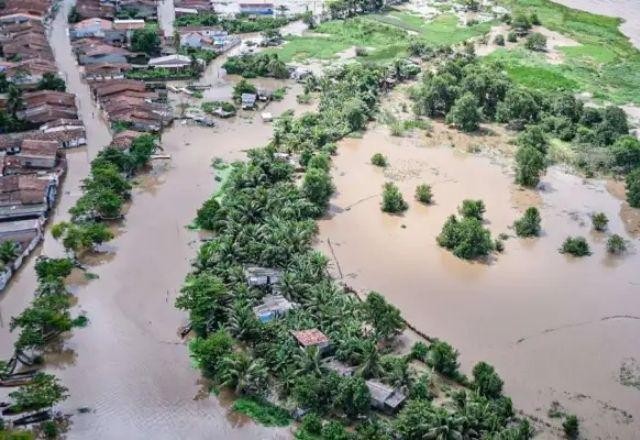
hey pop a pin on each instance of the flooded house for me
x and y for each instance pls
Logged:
(385, 398)
(27, 234)
(26, 74)
(256, 8)
(105, 71)
(93, 51)
(171, 62)
(192, 5)
(248, 101)
(95, 8)
(34, 155)
(91, 28)
(272, 306)
(312, 338)
(257, 276)
(45, 106)
(26, 196)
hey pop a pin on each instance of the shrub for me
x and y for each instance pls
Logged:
(392, 200)
(529, 224)
(576, 246)
(262, 411)
(317, 186)
(498, 245)
(423, 193)
(320, 160)
(529, 166)
(633, 188)
(616, 244)
(443, 358)
(536, 42)
(311, 423)
(533, 136)
(499, 40)
(512, 37)
(626, 152)
(486, 381)
(419, 351)
(599, 221)
(571, 427)
(379, 160)
(520, 22)
(466, 238)
(472, 209)
(465, 113)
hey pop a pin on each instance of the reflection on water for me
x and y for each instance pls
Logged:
(555, 327)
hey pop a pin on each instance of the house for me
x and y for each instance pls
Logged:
(145, 9)
(93, 51)
(96, 8)
(26, 196)
(312, 338)
(27, 233)
(91, 27)
(272, 306)
(256, 8)
(171, 62)
(385, 398)
(262, 276)
(185, 11)
(68, 133)
(104, 71)
(27, 73)
(128, 25)
(248, 101)
(47, 105)
(34, 154)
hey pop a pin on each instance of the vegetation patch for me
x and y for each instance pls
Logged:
(262, 411)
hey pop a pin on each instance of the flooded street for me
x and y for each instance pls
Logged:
(555, 327)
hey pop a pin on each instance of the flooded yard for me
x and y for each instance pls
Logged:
(555, 327)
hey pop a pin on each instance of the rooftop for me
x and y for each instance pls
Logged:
(310, 337)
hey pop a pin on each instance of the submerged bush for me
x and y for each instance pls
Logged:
(576, 246)
(616, 244)
(443, 358)
(599, 221)
(529, 224)
(499, 40)
(472, 209)
(423, 193)
(571, 427)
(392, 200)
(466, 238)
(486, 381)
(379, 160)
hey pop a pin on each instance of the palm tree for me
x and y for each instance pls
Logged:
(244, 374)
(9, 251)
(370, 360)
(308, 361)
(14, 100)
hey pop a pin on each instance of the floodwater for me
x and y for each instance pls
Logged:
(555, 327)
(628, 10)
(128, 372)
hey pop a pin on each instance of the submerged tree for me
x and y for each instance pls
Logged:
(599, 221)
(465, 113)
(472, 209)
(384, 317)
(486, 381)
(576, 246)
(530, 164)
(392, 200)
(466, 238)
(423, 193)
(616, 245)
(43, 392)
(529, 224)
(317, 187)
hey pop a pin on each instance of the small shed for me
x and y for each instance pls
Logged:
(272, 307)
(248, 101)
(262, 276)
(384, 397)
(266, 116)
(312, 338)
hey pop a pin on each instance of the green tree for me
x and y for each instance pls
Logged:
(384, 317)
(354, 397)
(443, 358)
(571, 427)
(43, 392)
(466, 238)
(317, 186)
(533, 136)
(51, 81)
(320, 161)
(633, 188)
(81, 237)
(472, 209)
(52, 268)
(536, 42)
(529, 224)
(208, 215)
(486, 381)
(146, 40)
(599, 221)
(465, 113)
(626, 152)
(392, 200)
(423, 193)
(530, 164)
(210, 352)
(520, 23)
(616, 245)
(243, 86)
(576, 246)
(379, 160)
(244, 374)
(9, 251)
(15, 102)
(207, 299)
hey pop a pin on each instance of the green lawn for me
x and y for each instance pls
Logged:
(605, 63)
(385, 36)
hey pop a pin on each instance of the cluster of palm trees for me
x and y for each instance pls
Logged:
(262, 217)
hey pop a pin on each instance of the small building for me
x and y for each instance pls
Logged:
(172, 62)
(312, 338)
(262, 276)
(266, 116)
(185, 11)
(256, 8)
(248, 101)
(128, 25)
(37, 154)
(385, 398)
(272, 306)
(26, 196)
(91, 27)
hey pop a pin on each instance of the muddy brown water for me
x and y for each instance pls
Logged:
(555, 327)
(128, 367)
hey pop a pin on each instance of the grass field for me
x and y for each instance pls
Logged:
(386, 36)
(605, 63)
